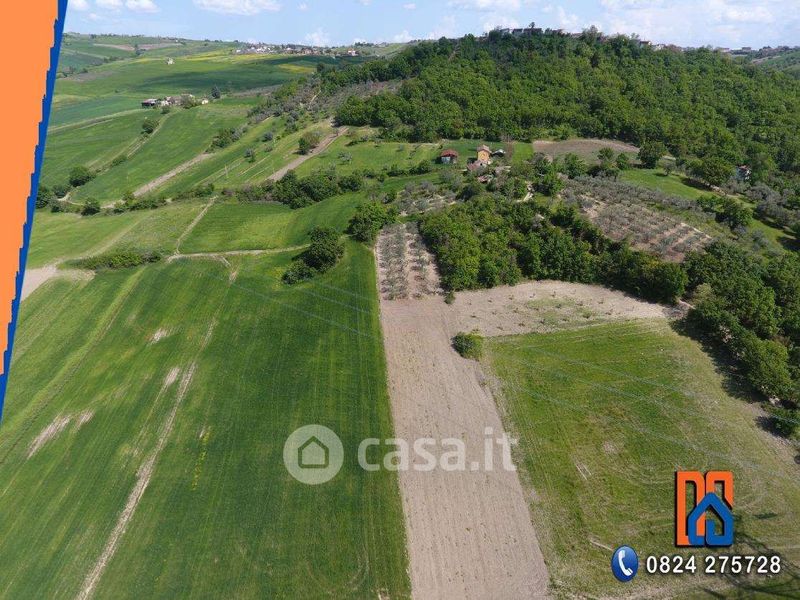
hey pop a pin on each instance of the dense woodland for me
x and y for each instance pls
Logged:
(699, 103)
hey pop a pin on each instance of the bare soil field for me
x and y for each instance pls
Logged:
(469, 532)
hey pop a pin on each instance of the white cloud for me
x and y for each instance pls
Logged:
(568, 21)
(141, 5)
(402, 37)
(712, 22)
(79, 5)
(238, 7)
(445, 28)
(365, 2)
(487, 5)
(303, 7)
(410, 6)
(95, 17)
(500, 21)
(318, 38)
(111, 4)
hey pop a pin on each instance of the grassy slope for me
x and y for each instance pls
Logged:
(221, 517)
(229, 167)
(629, 404)
(93, 145)
(58, 237)
(232, 226)
(181, 136)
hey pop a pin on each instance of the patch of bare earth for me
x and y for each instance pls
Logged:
(35, 278)
(59, 424)
(469, 532)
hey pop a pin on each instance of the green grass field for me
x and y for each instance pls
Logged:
(58, 237)
(232, 226)
(605, 416)
(673, 184)
(181, 136)
(93, 145)
(195, 74)
(220, 516)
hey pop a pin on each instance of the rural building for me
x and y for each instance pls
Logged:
(743, 173)
(484, 152)
(448, 157)
(149, 103)
(170, 61)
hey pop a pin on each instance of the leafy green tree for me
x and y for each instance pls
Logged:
(734, 213)
(325, 249)
(216, 93)
(369, 219)
(90, 207)
(44, 196)
(713, 170)
(149, 125)
(650, 152)
(80, 175)
(623, 162)
(573, 166)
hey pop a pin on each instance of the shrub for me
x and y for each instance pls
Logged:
(298, 271)
(149, 125)
(79, 176)
(469, 345)
(651, 152)
(369, 219)
(308, 142)
(119, 159)
(44, 196)
(91, 207)
(60, 190)
(121, 259)
(784, 420)
(325, 249)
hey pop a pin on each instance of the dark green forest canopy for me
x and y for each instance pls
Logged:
(699, 102)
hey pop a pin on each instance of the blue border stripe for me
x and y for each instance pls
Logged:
(26, 234)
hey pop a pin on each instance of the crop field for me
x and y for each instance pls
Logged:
(195, 74)
(232, 226)
(182, 380)
(58, 237)
(93, 145)
(181, 136)
(604, 416)
(230, 167)
(73, 110)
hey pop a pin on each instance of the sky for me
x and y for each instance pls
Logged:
(725, 23)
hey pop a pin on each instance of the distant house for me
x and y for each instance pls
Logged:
(149, 103)
(743, 173)
(448, 157)
(484, 153)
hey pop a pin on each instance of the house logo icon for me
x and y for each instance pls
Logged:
(696, 495)
(313, 454)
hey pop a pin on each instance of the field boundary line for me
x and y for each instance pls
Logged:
(192, 225)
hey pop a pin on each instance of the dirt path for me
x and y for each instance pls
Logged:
(35, 278)
(226, 253)
(304, 157)
(162, 179)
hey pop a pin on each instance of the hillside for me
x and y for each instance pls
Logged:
(699, 103)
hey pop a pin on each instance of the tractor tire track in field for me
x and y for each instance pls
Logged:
(192, 225)
(162, 179)
(145, 472)
(143, 476)
(303, 158)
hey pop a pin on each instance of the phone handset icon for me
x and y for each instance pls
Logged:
(621, 561)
